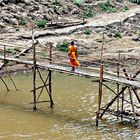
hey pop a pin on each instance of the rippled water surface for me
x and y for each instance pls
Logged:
(73, 116)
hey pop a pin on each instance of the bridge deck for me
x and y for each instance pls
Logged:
(107, 77)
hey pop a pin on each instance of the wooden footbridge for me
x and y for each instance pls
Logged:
(123, 83)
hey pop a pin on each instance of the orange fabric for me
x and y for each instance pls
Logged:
(73, 54)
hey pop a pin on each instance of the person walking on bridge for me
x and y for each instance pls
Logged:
(73, 55)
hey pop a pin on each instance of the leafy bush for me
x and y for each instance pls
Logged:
(63, 46)
(135, 1)
(87, 31)
(23, 21)
(17, 49)
(40, 23)
(78, 2)
(107, 7)
(9, 50)
(89, 13)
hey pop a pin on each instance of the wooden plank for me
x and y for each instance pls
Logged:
(78, 72)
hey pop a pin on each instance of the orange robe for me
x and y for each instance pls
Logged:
(72, 52)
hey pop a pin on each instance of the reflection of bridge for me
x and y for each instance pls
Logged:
(120, 97)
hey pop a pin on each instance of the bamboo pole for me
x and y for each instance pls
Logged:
(100, 84)
(119, 96)
(43, 88)
(34, 67)
(122, 101)
(50, 78)
(10, 77)
(112, 101)
(4, 54)
(4, 83)
(51, 100)
(130, 94)
(100, 94)
(34, 76)
(118, 86)
(137, 96)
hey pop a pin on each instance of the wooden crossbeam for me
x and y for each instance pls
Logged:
(40, 87)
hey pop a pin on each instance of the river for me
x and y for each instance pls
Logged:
(72, 118)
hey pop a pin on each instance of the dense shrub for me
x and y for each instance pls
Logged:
(87, 31)
(40, 23)
(63, 46)
(89, 13)
(107, 7)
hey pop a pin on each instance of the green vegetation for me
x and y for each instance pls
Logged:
(40, 23)
(87, 31)
(17, 49)
(118, 34)
(9, 50)
(89, 13)
(107, 7)
(135, 1)
(125, 8)
(23, 21)
(63, 46)
(13, 50)
(78, 2)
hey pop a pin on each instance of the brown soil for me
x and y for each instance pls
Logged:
(89, 45)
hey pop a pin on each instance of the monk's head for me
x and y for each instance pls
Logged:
(72, 43)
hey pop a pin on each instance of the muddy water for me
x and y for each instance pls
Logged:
(73, 116)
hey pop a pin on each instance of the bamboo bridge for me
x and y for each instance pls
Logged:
(102, 76)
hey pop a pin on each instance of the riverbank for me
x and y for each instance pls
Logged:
(121, 32)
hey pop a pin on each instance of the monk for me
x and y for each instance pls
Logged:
(73, 54)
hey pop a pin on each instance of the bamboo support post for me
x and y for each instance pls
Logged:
(34, 76)
(4, 83)
(50, 78)
(118, 86)
(137, 96)
(100, 94)
(130, 94)
(119, 96)
(4, 54)
(10, 77)
(122, 105)
(112, 101)
(45, 86)
(100, 84)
